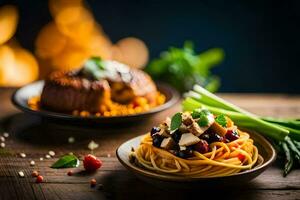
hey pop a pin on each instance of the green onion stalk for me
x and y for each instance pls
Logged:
(284, 132)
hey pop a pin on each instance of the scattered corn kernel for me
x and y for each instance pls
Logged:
(23, 155)
(21, 174)
(32, 163)
(51, 153)
(34, 173)
(6, 134)
(71, 140)
(93, 182)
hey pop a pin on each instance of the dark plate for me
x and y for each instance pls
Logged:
(267, 156)
(21, 96)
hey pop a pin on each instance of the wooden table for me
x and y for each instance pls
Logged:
(36, 138)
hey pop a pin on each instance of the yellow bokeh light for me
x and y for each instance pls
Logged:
(8, 22)
(49, 41)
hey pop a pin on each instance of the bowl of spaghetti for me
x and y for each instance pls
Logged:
(193, 147)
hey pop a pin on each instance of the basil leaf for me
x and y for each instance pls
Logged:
(220, 119)
(67, 161)
(176, 121)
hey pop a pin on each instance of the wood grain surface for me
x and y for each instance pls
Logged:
(36, 137)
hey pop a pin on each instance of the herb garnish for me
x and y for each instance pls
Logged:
(66, 161)
(176, 121)
(220, 119)
(198, 112)
(94, 67)
(183, 67)
(203, 120)
(202, 115)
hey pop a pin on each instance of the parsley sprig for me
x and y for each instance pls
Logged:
(220, 119)
(183, 67)
(202, 116)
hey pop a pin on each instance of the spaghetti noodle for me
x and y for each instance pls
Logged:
(222, 159)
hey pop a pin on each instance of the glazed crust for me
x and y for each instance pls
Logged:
(139, 85)
(65, 92)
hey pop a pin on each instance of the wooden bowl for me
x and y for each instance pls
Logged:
(21, 96)
(267, 156)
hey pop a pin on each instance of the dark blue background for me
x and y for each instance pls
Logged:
(260, 38)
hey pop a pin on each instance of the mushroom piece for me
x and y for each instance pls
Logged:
(188, 139)
(164, 130)
(187, 119)
(167, 143)
(182, 148)
(198, 130)
(195, 129)
(168, 121)
(183, 128)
